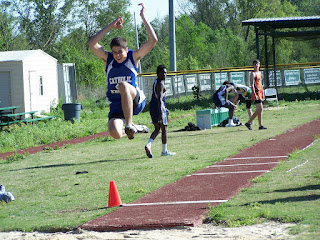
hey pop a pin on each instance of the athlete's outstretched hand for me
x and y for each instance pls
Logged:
(143, 9)
(118, 23)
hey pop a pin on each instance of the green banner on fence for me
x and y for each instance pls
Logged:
(291, 77)
(237, 77)
(271, 78)
(205, 82)
(219, 78)
(311, 75)
(191, 80)
(178, 84)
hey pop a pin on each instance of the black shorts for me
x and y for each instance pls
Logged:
(135, 104)
(248, 101)
(258, 101)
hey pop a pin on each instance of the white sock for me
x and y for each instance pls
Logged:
(231, 121)
(150, 142)
(164, 148)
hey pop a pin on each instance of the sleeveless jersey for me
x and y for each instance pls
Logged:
(154, 108)
(257, 87)
(117, 73)
(219, 97)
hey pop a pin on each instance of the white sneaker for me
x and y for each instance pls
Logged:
(230, 125)
(141, 128)
(167, 153)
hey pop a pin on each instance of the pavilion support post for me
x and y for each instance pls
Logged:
(266, 59)
(257, 42)
(274, 62)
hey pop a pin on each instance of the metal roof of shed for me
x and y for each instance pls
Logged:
(283, 22)
(17, 56)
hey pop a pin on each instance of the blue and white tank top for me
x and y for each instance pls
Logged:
(221, 94)
(154, 97)
(119, 72)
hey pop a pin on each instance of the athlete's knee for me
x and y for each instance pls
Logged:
(115, 134)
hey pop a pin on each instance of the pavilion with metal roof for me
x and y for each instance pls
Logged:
(271, 27)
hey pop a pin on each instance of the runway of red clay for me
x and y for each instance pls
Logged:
(185, 202)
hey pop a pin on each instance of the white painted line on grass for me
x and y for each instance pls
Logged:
(300, 165)
(171, 203)
(242, 164)
(216, 173)
(255, 157)
(308, 146)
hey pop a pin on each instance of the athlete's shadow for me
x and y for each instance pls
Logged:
(74, 164)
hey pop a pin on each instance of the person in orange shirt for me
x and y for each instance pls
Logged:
(257, 95)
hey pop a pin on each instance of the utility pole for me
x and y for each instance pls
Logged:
(172, 37)
(137, 38)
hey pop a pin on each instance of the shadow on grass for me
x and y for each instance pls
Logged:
(309, 187)
(287, 199)
(200, 132)
(71, 164)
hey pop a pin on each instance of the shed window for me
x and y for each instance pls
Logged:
(41, 86)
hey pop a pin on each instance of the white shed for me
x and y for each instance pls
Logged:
(28, 79)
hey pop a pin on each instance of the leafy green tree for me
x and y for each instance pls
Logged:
(42, 21)
(160, 53)
(10, 37)
(209, 12)
(194, 44)
(307, 7)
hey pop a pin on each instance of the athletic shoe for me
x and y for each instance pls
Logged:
(141, 128)
(248, 126)
(130, 131)
(262, 128)
(230, 125)
(148, 151)
(167, 153)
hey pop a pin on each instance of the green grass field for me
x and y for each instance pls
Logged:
(51, 197)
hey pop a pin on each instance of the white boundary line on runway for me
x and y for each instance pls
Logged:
(242, 164)
(216, 173)
(171, 203)
(255, 157)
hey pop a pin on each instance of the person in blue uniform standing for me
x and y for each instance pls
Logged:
(121, 69)
(159, 113)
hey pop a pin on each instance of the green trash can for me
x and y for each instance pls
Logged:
(71, 111)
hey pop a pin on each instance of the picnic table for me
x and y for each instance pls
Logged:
(7, 119)
(11, 109)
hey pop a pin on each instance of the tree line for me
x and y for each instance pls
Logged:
(209, 33)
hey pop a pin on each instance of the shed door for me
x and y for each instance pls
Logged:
(5, 93)
(34, 91)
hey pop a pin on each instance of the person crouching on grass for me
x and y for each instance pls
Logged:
(220, 99)
(121, 68)
(159, 113)
(257, 94)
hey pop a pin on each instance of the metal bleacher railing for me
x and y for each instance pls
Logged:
(180, 83)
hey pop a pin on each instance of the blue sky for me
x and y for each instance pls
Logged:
(155, 8)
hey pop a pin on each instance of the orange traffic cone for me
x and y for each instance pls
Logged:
(114, 197)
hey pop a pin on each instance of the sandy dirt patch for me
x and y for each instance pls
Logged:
(269, 230)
